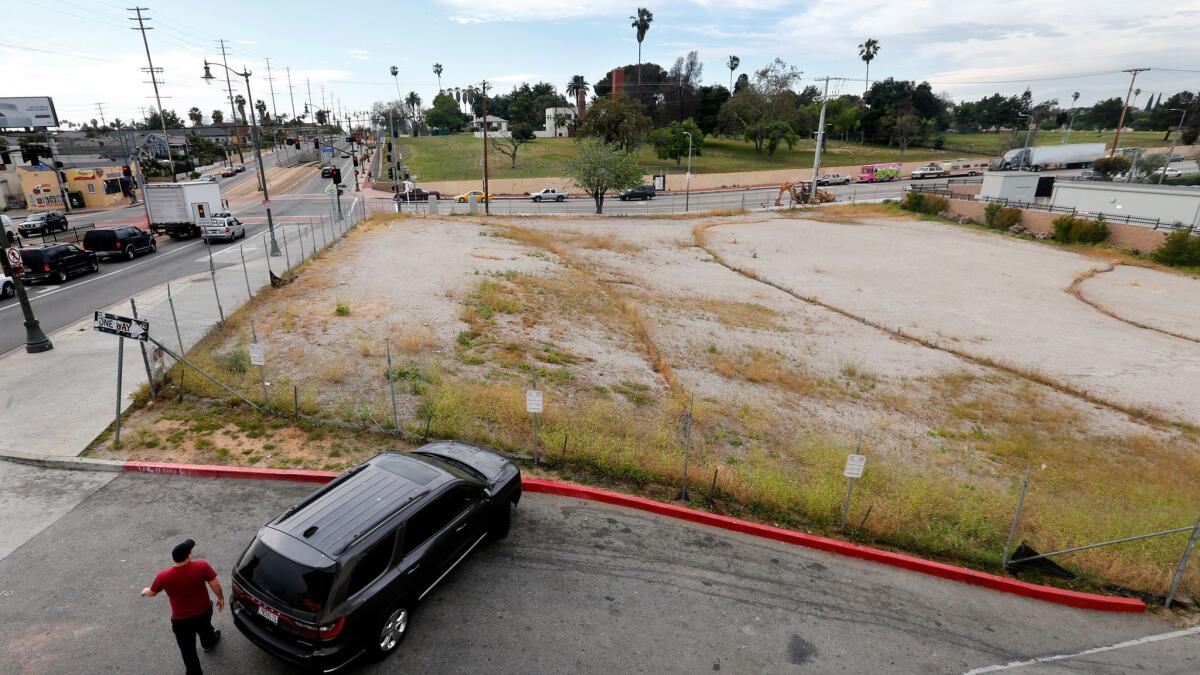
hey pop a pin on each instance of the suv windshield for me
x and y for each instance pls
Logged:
(299, 587)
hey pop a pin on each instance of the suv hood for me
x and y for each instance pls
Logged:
(488, 463)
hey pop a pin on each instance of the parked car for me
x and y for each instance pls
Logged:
(228, 173)
(833, 179)
(338, 574)
(1178, 158)
(207, 178)
(124, 242)
(10, 230)
(240, 168)
(479, 196)
(223, 227)
(639, 192)
(549, 195)
(57, 263)
(345, 155)
(43, 223)
(326, 171)
(1169, 171)
(931, 170)
(416, 194)
(7, 289)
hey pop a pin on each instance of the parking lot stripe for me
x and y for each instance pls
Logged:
(1087, 652)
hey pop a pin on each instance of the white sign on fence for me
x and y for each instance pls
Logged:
(533, 401)
(854, 466)
(123, 326)
(257, 357)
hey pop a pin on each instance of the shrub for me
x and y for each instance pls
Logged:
(1111, 166)
(1180, 249)
(341, 309)
(1072, 230)
(919, 202)
(236, 361)
(1000, 217)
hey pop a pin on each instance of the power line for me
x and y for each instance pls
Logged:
(154, 80)
(271, 84)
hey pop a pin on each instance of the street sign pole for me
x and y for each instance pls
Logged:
(120, 371)
(854, 469)
(534, 405)
(35, 340)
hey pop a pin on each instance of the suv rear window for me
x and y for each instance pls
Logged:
(33, 257)
(297, 586)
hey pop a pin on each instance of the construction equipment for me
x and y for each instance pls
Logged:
(800, 191)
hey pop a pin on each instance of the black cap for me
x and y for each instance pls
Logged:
(182, 551)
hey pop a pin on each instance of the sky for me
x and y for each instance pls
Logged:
(85, 52)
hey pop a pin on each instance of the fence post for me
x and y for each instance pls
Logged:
(687, 445)
(212, 272)
(1012, 530)
(387, 342)
(312, 234)
(262, 377)
(267, 256)
(286, 254)
(145, 358)
(246, 274)
(330, 238)
(174, 318)
(295, 401)
(1187, 552)
(300, 238)
(850, 486)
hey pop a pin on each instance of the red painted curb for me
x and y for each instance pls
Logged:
(1004, 584)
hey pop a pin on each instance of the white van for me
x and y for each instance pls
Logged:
(10, 229)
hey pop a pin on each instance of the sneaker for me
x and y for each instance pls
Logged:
(216, 639)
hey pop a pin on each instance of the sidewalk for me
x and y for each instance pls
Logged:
(58, 402)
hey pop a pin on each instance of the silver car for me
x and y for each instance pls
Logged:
(224, 228)
(833, 179)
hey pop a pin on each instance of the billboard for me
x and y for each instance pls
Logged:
(27, 111)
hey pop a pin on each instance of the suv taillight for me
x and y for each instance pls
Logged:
(118, 243)
(326, 632)
(45, 267)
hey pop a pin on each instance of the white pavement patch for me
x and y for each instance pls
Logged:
(32, 498)
(1088, 652)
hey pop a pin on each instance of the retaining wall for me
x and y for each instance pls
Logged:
(1135, 237)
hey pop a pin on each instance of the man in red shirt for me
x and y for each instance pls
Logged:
(191, 610)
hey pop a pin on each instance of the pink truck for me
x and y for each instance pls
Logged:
(879, 173)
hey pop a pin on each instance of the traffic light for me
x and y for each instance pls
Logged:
(126, 171)
(316, 144)
(355, 160)
(336, 176)
(349, 139)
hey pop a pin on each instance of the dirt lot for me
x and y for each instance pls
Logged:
(959, 356)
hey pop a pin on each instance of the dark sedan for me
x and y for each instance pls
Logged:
(417, 195)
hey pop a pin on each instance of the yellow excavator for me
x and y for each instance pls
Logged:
(800, 191)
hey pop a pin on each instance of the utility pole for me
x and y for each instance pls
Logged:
(309, 102)
(487, 202)
(812, 192)
(271, 85)
(154, 81)
(232, 108)
(100, 107)
(291, 95)
(1170, 151)
(1121, 122)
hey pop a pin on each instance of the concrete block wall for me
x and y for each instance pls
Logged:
(1135, 237)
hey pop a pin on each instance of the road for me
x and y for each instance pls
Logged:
(578, 587)
(57, 306)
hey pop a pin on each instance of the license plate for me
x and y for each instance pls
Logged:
(268, 615)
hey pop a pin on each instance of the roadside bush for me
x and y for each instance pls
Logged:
(1185, 179)
(194, 175)
(1072, 230)
(919, 202)
(1000, 217)
(1180, 249)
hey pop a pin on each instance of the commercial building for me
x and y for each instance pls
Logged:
(1167, 203)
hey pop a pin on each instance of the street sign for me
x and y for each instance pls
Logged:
(16, 262)
(257, 357)
(122, 326)
(534, 402)
(854, 466)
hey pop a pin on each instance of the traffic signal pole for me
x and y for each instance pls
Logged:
(35, 340)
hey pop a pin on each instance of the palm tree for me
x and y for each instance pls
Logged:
(867, 52)
(732, 64)
(641, 23)
(240, 102)
(413, 101)
(577, 87)
(195, 116)
(218, 116)
(437, 70)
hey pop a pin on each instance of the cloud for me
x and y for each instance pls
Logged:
(515, 78)
(472, 12)
(359, 54)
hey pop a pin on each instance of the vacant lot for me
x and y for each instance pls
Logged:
(989, 144)
(958, 355)
(441, 158)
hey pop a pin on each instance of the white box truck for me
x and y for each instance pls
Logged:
(1073, 156)
(180, 209)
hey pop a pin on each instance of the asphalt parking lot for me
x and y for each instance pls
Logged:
(578, 587)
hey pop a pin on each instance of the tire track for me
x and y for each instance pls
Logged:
(1076, 289)
(1030, 374)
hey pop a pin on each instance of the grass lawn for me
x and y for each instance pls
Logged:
(989, 144)
(438, 158)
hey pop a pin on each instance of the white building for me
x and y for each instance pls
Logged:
(553, 129)
(1016, 186)
(496, 126)
(1168, 203)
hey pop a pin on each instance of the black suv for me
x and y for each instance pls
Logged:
(338, 574)
(125, 242)
(43, 223)
(56, 262)
(639, 192)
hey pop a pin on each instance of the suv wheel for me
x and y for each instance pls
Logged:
(129, 254)
(61, 277)
(153, 245)
(8, 291)
(391, 632)
(95, 265)
(537, 199)
(559, 198)
(501, 521)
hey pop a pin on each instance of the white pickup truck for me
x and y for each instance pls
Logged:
(549, 195)
(931, 170)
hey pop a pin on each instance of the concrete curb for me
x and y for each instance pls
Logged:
(1003, 584)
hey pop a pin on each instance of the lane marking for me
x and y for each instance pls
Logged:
(1087, 652)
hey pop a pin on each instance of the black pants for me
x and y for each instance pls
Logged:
(186, 631)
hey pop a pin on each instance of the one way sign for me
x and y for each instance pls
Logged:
(122, 326)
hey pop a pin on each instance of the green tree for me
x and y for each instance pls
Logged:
(195, 116)
(641, 24)
(218, 116)
(1105, 114)
(904, 127)
(518, 134)
(169, 116)
(261, 106)
(769, 134)
(598, 167)
(445, 113)
(671, 142)
(1111, 166)
(616, 120)
(322, 117)
(437, 70)
(867, 51)
(577, 88)
(1148, 164)
(732, 64)
(240, 102)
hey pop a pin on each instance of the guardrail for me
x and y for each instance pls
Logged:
(1127, 219)
(71, 235)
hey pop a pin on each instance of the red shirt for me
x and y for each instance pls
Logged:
(186, 587)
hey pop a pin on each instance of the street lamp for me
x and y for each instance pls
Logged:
(687, 195)
(1182, 113)
(35, 340)
(262, 173)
